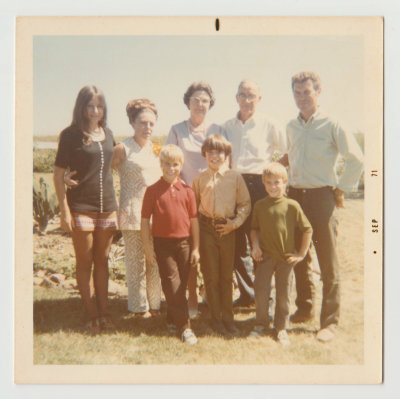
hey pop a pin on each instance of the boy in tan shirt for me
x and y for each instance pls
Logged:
(223, 205)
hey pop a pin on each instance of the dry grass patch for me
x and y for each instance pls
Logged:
(58, 318)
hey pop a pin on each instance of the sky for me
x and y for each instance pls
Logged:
(162, 67)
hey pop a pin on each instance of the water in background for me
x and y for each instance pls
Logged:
(45, 144)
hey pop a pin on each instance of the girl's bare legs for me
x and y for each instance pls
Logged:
(101, 249)
(83, 245)
(192, 288)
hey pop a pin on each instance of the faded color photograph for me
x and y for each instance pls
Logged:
(200, 199)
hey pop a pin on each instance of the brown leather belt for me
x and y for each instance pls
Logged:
(211, 221)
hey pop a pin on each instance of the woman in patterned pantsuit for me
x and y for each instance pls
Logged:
(138, 167)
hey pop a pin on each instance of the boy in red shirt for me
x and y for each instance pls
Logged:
(175, 231)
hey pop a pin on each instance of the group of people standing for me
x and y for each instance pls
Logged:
(212, 195)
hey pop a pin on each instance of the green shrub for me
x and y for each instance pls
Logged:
(43, 160)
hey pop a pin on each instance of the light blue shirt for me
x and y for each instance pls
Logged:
(313, 149)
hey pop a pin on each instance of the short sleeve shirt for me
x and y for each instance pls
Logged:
(277, 219)
(171, 206)
(95, 191)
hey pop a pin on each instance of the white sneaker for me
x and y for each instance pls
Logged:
(257, 332)
(283, 338)
(188, 337)
(327, 334)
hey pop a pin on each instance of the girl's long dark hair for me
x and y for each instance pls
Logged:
(79, 119)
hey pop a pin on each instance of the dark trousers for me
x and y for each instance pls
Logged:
(216, 262)
(243, 263)
(319, 206)
(173, 257)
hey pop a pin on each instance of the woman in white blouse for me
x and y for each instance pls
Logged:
(138, 167)
(189, 135)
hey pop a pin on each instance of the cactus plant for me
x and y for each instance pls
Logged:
(45, 205)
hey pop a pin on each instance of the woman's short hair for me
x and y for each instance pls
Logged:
(216, 142)
(198, 86)
(85, 95)
(307, 75)
(135, 107)
(275, 169)
(171, 153)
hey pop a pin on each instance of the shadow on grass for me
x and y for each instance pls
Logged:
(67, 314)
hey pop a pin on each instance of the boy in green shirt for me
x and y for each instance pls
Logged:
(274, 222)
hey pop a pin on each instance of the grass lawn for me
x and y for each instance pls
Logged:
(58, 317)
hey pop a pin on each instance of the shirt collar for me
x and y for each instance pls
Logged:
(222, 170)
(178, 185)
(202, 128)
(252, 118)
(314, 116)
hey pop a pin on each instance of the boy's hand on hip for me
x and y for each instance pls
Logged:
(194, 257)
(226, 228)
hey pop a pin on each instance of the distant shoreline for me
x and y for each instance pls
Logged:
(39, 141)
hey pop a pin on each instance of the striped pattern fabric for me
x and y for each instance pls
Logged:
(94, 221)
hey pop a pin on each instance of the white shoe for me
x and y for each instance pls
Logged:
(283, 338)
(327, 334)
(188, 337)
(257, 332)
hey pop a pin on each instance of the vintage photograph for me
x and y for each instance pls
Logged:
(205, 192)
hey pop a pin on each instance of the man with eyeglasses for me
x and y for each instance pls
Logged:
(314, 143)
(255, 139)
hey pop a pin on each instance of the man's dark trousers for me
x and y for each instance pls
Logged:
(243, 265)
(319, 206)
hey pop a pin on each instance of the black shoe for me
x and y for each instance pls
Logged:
(231, 328)
(301, 317)
(243, 303)
(218, 327)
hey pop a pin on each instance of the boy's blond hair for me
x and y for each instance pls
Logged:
(171, 153)
(276, 169)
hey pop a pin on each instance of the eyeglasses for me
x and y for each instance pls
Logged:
(250, 97)
(200, 100)
(92, 107)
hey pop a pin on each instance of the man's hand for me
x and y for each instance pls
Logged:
(225, 228)
(339, 197)
(256, 253)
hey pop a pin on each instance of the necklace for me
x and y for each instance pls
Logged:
(97, 135)
(196, 130)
